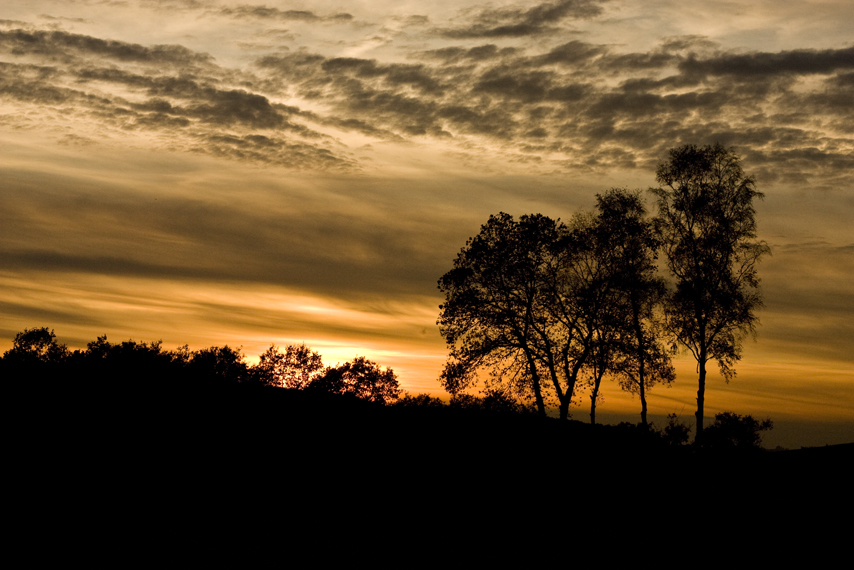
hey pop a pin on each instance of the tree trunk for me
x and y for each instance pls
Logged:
(593, 405)
(641, 359)
(644, 424)
(535, 378)
(597, 381)
(700, 398)
(564, 407)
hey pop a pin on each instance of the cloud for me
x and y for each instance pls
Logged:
(753, 65)
(520, 22)
(267, 13)
(167, 94)
(325, 243)
(574, 104)
(58, 45)
(455, 54)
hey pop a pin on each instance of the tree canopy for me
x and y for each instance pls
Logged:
(706, 226)
(362, 378)
(540, 303)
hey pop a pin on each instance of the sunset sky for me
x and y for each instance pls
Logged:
(215, 172)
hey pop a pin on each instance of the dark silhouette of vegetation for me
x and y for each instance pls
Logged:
(296, 368)
(494, 313)
(543, 304)
(133, 415)
(361, 378)
(37, 356)
(732, 431)
(628, 346)
(675, 433)
(36, 345)
(706, 225)
(546, 307)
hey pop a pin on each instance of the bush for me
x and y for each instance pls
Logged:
(732, 431)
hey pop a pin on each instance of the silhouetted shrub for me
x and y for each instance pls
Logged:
(675, 433)
(731, 431)
(361, 378)
(419, 401)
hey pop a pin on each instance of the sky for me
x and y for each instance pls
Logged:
(212, 172)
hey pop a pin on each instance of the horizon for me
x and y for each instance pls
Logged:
(210, 172)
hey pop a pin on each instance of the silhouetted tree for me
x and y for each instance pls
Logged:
(35, 358)
(128, 362)
(529, 300)
(36, 345)
(706, 223)
(730, 430)
(361, 378)
(295, 368)
(419, 401)
(494, 312)
(224, 365)
(675, 433)
(628, 346)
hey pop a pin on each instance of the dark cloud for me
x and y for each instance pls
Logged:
(65, 19)
(59, 45)
(272, 150)
(572, 53)
(556, 101)
(761, 64)
(200, 100)
(393, 74)
(197, 111)
(264, 12)
(565, 93)
(518, 21)
(468, 56)
(14, 23)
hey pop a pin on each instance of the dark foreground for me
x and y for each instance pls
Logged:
(242, 455)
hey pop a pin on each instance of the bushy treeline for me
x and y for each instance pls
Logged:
(37, 357)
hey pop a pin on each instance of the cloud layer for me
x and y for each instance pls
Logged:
(548, 105)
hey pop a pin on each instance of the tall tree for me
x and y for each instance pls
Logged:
(633, 352)
(527, 300)
(706, 224)
(493, 315)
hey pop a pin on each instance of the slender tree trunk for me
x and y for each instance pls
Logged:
(701, 398)
(641, 359)
(644, 424)
(593, 405)
(597, 381)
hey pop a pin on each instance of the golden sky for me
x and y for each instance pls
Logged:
(212, 172)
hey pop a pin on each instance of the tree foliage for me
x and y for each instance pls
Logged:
(534, 302)
(294, 368)
(628, 346)
(495, 299)
(706, 226)
(36, 345)
(361, 378)
(731, 430)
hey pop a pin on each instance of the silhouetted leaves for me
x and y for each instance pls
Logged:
(295, 368)
(706, 223)
(733, 431)
(361, 378)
